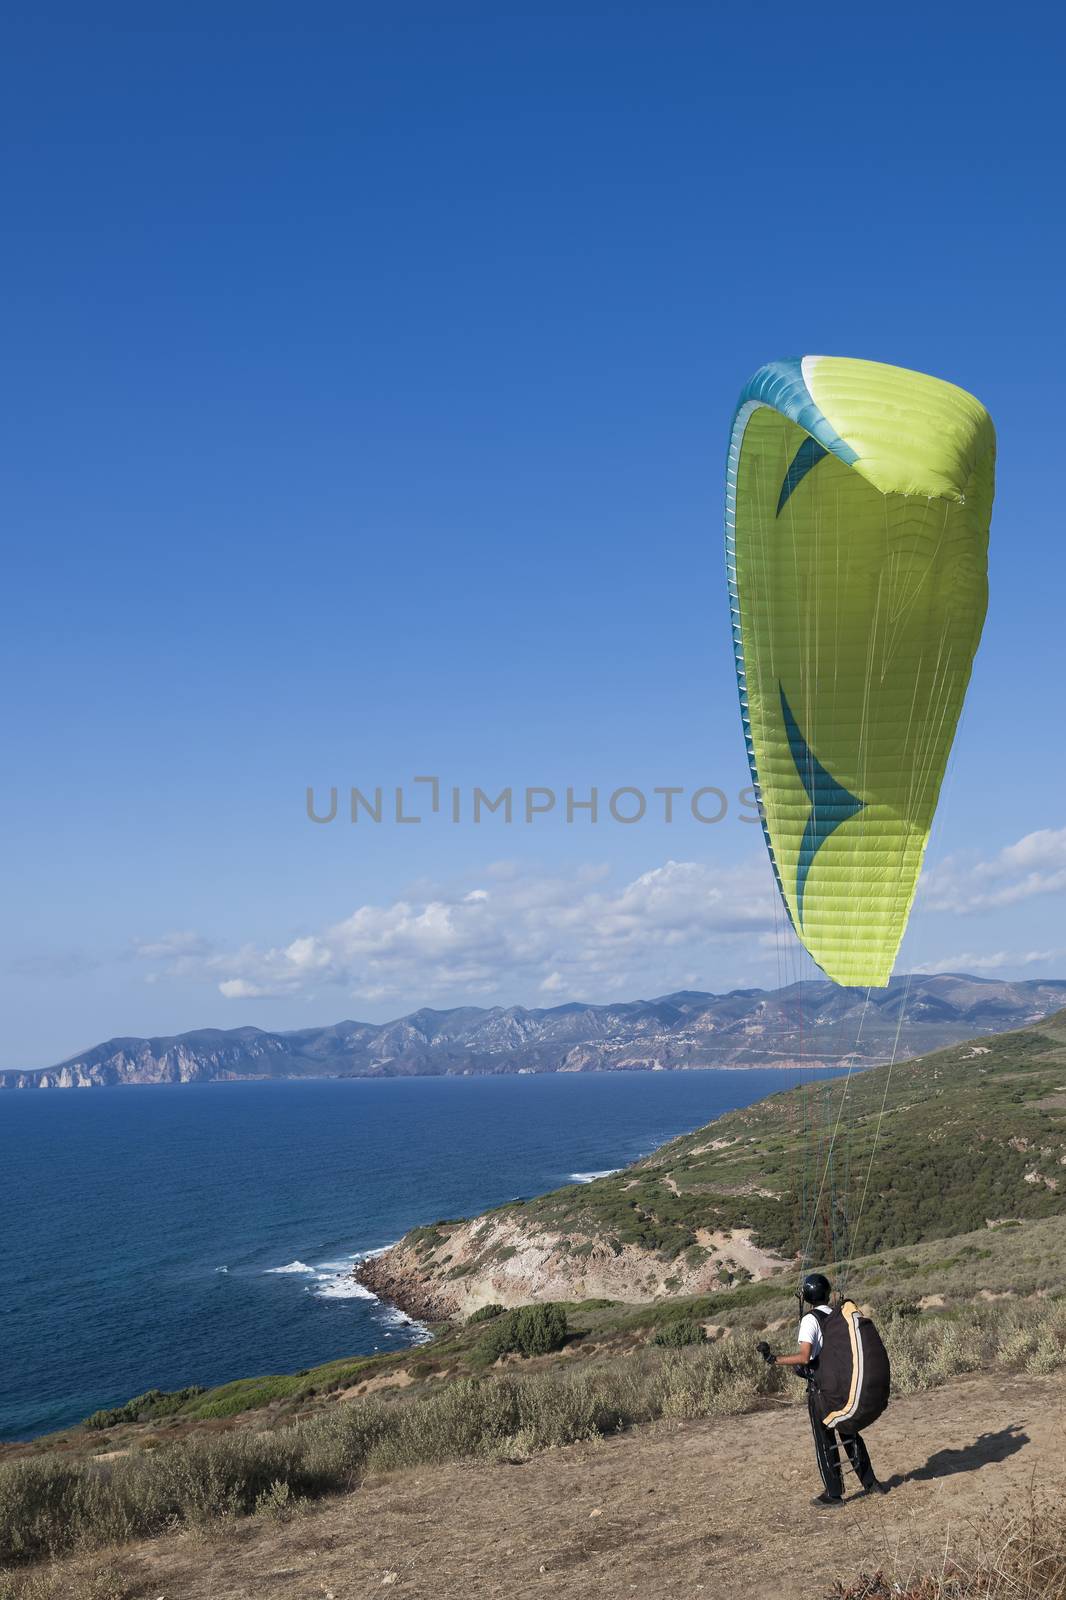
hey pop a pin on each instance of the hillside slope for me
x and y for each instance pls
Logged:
(941, 1145)
(816, 1023)
(716, 1508)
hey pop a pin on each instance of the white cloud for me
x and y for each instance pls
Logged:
(998, 961)
(172, 946)
(1034, 865)
(307, 955)
(572, 934)
(238, 989)
(579, 934)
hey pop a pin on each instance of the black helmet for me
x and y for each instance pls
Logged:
(816, 1288)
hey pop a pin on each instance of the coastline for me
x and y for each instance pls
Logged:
(403, 1292)
(15, 1078)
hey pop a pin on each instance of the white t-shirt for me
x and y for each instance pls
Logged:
(810, 1331)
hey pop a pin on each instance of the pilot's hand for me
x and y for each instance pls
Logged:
(767, 1354)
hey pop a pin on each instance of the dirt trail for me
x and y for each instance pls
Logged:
(714, 1510)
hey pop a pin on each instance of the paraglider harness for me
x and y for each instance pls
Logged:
(848, 1382)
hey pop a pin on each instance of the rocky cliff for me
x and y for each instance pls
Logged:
(448, 1271)
(191, 1058)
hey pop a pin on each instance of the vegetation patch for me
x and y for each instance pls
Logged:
(682, 1331)
(147, 1407)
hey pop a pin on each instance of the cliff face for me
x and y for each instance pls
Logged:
(155, 1061)
(816, 1023)
(448, 1271)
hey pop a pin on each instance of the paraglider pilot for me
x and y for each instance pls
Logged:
(841, 1356)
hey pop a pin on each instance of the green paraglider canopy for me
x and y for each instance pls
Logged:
(857, 512)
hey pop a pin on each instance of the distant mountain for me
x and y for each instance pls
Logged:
(813, 1024)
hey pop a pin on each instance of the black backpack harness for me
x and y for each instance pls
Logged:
(851, 1377)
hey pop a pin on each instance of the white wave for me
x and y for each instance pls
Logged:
(378, 1250)
(221, 1269)
(336, 1280)
(590, 1177)
(394, 1318)
(340, 1286)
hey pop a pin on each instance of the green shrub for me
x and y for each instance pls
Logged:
(147, 1407)
(424, 1239)
(898, 1308)
(540, 1329)
(499, 1339)
(275, 1502)
(534, 1330)
(681, 1332)
(484, 1313)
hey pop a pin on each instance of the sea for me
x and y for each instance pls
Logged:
(160, 1236)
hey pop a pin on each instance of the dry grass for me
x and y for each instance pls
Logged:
(51, 1505)
(1022, 1559)
(1019, 1335)
(77, 1580)
(672, 1506)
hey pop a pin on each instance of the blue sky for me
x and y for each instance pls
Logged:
(369, 375)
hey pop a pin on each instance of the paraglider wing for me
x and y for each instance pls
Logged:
(858, 504)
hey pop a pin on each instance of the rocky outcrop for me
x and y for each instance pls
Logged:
(447, 1271)
(813, 1024)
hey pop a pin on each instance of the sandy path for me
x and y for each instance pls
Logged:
(717, 1509)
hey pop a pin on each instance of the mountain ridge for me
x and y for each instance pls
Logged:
(813, 1023)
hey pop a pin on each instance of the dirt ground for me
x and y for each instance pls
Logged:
(717, 1509)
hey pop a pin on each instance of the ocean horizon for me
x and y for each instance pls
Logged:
(168, 1235)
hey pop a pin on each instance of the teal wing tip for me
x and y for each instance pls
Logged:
(782, 386)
